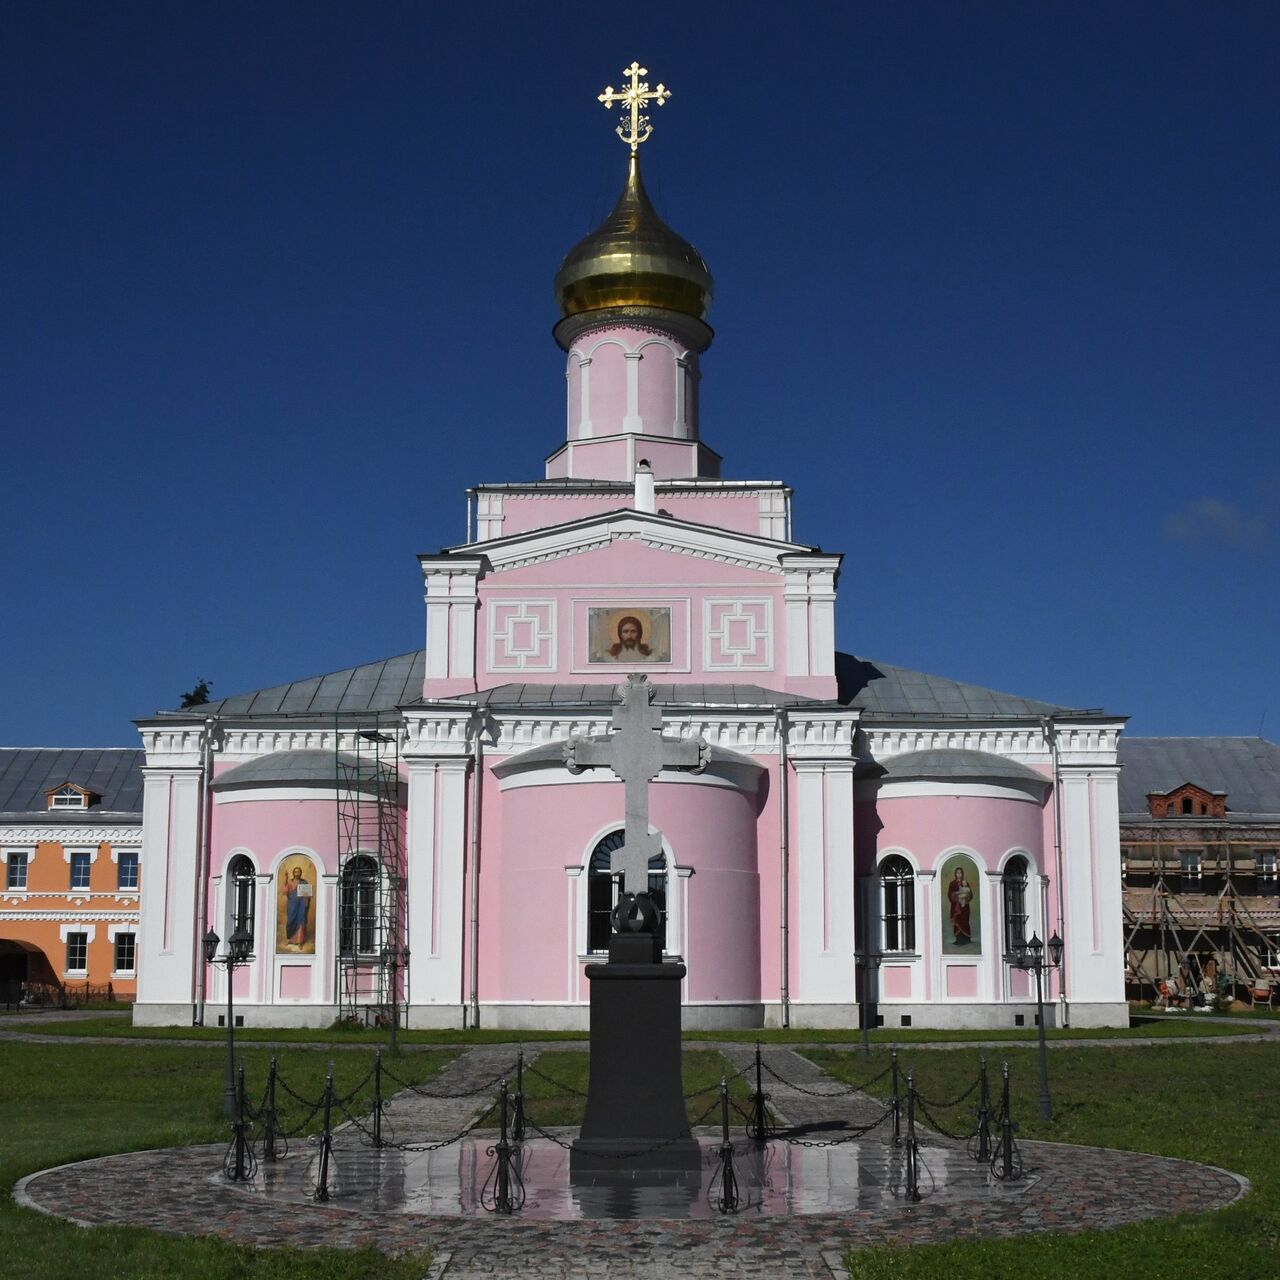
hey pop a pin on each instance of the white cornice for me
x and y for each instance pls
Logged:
(122, 917)
(122, 834)
(681, 537)
(1091, 745)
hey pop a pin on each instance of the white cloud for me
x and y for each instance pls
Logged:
(1210, 522)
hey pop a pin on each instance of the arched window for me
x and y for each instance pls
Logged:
(241, 882)
(897, 905)
(602, 893)
(358, 907)
(1014, 886)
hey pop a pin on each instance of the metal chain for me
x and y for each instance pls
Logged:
(457, 1093)
(953, 1102)
(852, 1136)
(822, 1093)
(942, 1129)
(570, 1091)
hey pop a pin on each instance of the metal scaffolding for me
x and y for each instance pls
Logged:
(1179, 920)
(370, 979)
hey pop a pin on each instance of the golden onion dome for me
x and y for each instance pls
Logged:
(633, 259)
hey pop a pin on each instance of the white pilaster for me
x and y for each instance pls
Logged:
(167, 905)
(437, 860)
(826, 886)
(632, 421)
(452, 598)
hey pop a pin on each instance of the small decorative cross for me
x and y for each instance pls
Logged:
(634, 98)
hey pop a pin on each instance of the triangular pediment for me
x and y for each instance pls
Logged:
(661, 532)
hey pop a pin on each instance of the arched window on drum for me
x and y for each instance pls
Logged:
(897, 905)
(358, 931)
(1014, 896)
(241, 882)
(602, 892)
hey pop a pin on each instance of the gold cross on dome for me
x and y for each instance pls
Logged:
(635, 127)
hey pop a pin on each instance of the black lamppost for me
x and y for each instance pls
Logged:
(869, 963)
(239, 947)
(1031, 956)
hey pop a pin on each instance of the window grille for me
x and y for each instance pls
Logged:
(897, 905)
(1014, 886)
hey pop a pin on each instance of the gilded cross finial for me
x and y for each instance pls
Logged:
(635, 126)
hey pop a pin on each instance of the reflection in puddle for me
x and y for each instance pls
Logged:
(776, 1179)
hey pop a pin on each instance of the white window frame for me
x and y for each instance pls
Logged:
(677, 891)
(914, 900)
(64, 933)
(28, 857)
(119, 856)
(1195, 873)
(114, 932)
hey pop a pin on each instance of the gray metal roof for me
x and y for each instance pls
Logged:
(946, 764)
(604, 695)
(114, 773)
(876, 688)
(879, 688)
(375, 686)
(1247, 769)
(309, 766)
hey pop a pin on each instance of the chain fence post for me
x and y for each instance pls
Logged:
(727, 1199)
(984, 1112)
(758, 1126)
(1006, 1129)
(895, 1104)
(240, 1172)
(517, 1123)
(326, 1138)
(269, 1152)
(503, 1198)
(913, 1172)
(377, 1099)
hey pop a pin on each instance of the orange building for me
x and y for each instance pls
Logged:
(70, 855)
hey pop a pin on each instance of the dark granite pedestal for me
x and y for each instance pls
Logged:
(635, 1122)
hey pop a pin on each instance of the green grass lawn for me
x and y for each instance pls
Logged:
(69, 1102)
(1144, 1026)
(1217, 1104)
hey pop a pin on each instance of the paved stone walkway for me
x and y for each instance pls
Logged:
(1067, 1189)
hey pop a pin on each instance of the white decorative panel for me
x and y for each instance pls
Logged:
(522, 635)
(773, 515)
(738, 635)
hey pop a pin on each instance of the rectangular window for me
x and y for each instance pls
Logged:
(77, 952)
(127, 871)
(67, 798)
(79, 870)
(1265, 863)
(1271, 956)
(126, 952)
(1189, 863)
(16, 874)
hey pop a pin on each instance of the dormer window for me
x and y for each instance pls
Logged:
(68, 796)
(1187, 801)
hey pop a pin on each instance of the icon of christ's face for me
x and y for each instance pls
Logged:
(629, 633)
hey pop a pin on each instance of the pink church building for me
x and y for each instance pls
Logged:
(865, 842)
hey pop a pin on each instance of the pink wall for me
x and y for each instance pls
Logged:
(525, 889)
(267, 828)
(652, 578)
(929, 826)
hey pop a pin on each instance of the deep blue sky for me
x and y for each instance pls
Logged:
(997, 291)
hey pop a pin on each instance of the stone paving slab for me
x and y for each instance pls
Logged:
(1068, 1189)
(179, 1192)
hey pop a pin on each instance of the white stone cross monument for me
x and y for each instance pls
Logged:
(637, 753)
